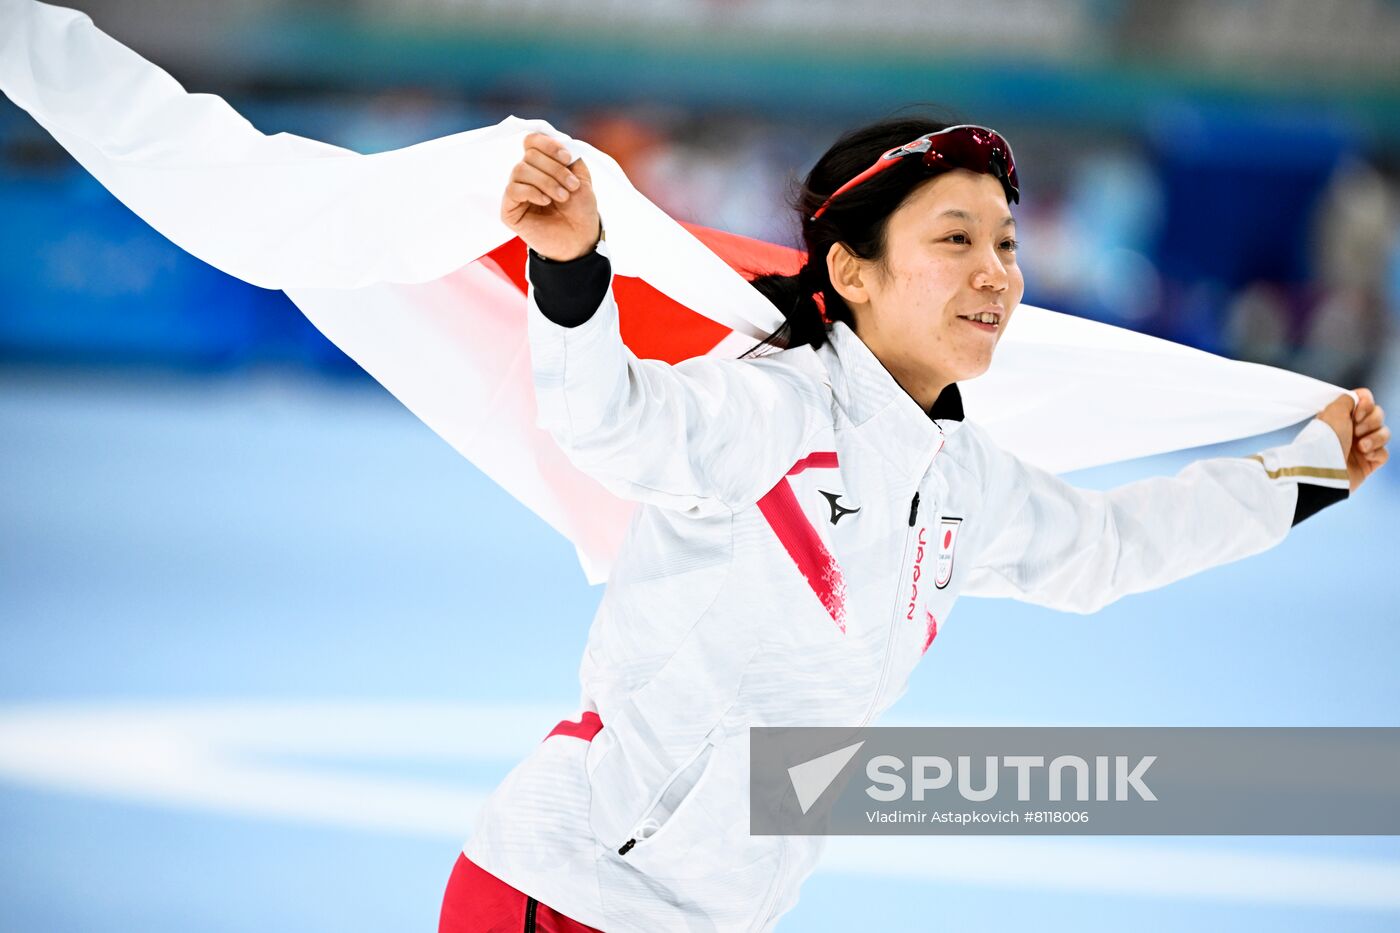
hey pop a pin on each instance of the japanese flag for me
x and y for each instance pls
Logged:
(401, 259)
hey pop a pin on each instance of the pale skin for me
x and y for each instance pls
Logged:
(950, 253)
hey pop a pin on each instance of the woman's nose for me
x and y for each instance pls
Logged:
(991, 273)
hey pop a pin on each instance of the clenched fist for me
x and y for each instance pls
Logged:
(1362, 431)
(549, 201)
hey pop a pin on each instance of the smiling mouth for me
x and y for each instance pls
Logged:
(983, 320)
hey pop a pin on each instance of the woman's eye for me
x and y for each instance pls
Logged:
(959, 238)
(1011, 245)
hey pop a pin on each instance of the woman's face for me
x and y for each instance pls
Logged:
(950, 254)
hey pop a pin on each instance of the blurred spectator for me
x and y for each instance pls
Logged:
(1354, 228)
(1258, 325)
(1386, 383)
(1337, 325)
(633, 141)
(1086, 252)
(722, 172)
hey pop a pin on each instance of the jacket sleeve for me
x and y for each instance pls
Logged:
(1078, 550)
(703, 436)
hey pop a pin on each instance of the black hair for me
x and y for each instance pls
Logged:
(857, 218)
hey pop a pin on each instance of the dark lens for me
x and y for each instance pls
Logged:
(978, 150)
(967, 149)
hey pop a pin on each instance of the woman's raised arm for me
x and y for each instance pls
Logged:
(703, 436)
(1077, 550)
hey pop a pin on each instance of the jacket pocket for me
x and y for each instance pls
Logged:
(693, 840)
(660, 814)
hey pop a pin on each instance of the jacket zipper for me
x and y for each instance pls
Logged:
(894, 613)
(531, 906)
(661, 795)
(767, 911)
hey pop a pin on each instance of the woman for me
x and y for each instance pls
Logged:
(808, 519)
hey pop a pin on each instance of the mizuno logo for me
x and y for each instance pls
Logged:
(837, 509)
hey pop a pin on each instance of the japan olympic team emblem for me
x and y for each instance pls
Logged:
(947, 541)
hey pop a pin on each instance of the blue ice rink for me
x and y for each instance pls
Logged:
(266, 642)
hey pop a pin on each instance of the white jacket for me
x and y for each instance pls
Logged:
(805, 527)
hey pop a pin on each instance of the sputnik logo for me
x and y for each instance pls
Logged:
(811, 778)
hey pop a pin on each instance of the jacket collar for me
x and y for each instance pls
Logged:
(877, 405)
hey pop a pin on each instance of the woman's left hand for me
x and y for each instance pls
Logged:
(1361, 429)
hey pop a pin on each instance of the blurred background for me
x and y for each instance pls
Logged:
(265, 641)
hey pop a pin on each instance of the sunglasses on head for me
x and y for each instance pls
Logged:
(976, 148)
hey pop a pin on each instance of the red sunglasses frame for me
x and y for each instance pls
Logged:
(993, 151)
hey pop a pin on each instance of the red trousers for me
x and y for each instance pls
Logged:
(478, 902)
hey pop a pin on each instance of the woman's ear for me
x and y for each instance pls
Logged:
(844, 269)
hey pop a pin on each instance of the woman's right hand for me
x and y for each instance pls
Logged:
(549, 201)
